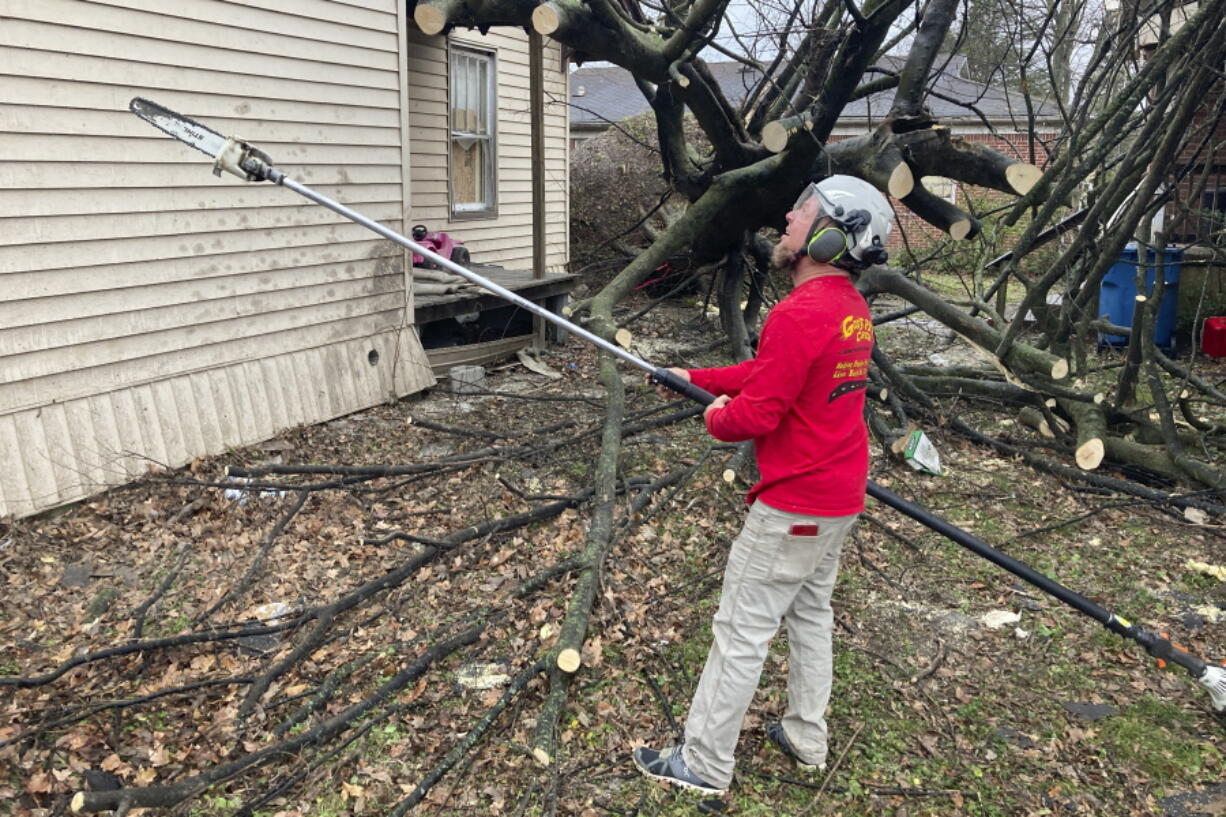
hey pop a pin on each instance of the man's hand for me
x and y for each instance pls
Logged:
(665, 392)
(719, 403)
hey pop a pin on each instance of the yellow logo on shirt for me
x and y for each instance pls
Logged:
(861, 328)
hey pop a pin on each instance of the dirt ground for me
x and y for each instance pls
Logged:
(934, 711)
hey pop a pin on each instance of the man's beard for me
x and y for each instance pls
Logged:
(784, 259)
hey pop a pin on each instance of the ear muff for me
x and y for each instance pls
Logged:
(827, 242)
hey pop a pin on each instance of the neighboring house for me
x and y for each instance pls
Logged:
(1203, 159)
(151, 313)
(601, 95)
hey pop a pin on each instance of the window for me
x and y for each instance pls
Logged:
(472, 133)
(1212, 215)
(940, 186)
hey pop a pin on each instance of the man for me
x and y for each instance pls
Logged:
(801, 401)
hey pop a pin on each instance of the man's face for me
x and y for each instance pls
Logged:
(792, 241)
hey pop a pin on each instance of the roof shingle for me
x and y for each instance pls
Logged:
(600, 94)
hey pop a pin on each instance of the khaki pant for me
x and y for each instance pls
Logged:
(772, 576)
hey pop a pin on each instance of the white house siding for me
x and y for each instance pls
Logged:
(506, 239)
(151, 313)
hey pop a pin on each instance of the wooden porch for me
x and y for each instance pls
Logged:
(473, 326)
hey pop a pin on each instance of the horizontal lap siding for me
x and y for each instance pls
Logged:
(507, 239)
(151, 313)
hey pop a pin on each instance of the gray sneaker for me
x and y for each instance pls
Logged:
(776, 735)
(669, 766)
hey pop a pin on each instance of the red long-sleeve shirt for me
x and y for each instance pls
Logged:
(801, 400)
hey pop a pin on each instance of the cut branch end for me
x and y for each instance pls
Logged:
(1022, 176)
(902, 181)
(1090, 454)
(546, 19)
(429, 19)
(569, 660)
(775, 136)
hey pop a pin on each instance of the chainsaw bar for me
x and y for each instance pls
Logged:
(187, 131)
(230, 154)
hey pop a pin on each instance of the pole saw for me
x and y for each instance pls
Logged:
(233, 155)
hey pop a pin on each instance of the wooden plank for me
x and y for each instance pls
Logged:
(194, 444)
(226, 404)
(273, 399)
(36, 35)
(379, 15)
(128, 439)
(61, 455)
(314, 359)
(537, 150)
(20, 118)
(158, 343)
(438, 307)
(158, 149)
(84, 441)
(258, 387)
(15, 486)
(170, 422)
(179, 224)
(338, 377)
(35, 459)
(107, 73)
(190, 315)
(377, 52)
(69, 202)
(130, 250)
(373, 5)
(105, 442)
(276, 263)
(429, 86)
(291, 390)
(212, 424)
(406, 157)
(149, 423)
(187, 175)
(252, 291)
(430, 117)
(115, 434)
(247, 430)
(474, 354)
(289, 19)
(308, 387)
(113, 375)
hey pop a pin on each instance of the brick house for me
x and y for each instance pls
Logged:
(602, 95)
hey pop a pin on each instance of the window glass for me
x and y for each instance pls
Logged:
(472, 132)
(940, 186)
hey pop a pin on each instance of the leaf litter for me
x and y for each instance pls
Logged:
(931, 701)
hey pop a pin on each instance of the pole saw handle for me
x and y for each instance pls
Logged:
(681, 386)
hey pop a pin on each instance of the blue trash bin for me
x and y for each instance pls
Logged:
(1118, 293)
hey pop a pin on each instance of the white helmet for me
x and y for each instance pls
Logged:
(851, 228)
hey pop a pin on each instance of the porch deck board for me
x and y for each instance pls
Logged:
(429, 308)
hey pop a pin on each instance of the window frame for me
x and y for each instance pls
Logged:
(489, 210)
